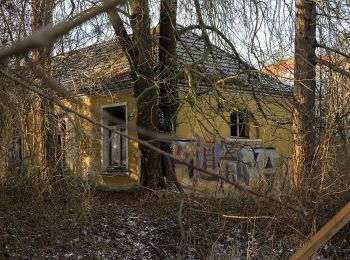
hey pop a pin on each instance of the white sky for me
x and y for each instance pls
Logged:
(262, 31)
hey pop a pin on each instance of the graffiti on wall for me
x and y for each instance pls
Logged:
(228, 159)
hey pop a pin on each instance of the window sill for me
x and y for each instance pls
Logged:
(113, 171)
(245, 140)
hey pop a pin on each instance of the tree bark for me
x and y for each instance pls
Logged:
(304, 90)
(44, 115)
(168, 91)
(145, 91)
(156, 110)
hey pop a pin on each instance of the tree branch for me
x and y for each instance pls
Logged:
(333, 67)
(120, 31)
(214, 29)
(48, 34)
(320, 45)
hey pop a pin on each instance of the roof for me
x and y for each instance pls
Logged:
(280, 68)
(283, 70)
(93, 69)
(104, 67)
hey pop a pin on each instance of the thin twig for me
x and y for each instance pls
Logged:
(246, 217)
(48, 34)
(179, 220)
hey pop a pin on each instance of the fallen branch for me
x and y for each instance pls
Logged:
(245, 217)
(324, 234)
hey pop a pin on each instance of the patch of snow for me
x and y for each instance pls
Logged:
(68, 255)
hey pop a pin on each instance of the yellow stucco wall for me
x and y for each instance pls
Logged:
(84, 148)
(271, 117)
(122, 182)
(204, 116)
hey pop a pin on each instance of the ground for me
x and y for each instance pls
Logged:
(124, 225)
(112, 227)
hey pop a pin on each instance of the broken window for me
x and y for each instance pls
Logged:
(114, 145)
(239, 124)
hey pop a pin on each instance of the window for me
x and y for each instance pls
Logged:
(239, 124)
(114, 145)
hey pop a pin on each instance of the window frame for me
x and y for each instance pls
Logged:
(239, 124)
(105, 150)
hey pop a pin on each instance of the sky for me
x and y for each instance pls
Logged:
(262, 31)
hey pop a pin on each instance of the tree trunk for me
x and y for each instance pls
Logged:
(304, 90)
(155, 112)
(145, 91)
(44, 116)
(168, 91)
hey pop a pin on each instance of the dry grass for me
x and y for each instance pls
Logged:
(110, 225)
(65, 218)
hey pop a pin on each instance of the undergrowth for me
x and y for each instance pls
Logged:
(55, 214)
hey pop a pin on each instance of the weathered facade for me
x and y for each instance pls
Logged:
(219, 100)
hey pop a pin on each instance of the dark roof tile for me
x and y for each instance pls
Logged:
(104, 67)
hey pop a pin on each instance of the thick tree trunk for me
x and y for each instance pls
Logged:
(155, 169)
(168, 92)
(304, 90)
(44, 116)
(145, 91)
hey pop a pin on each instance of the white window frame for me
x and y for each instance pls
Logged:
(103, 149)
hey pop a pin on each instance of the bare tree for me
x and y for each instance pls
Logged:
(167, 70)
(44, 128)
(304, 89)
(144, 89)
(154, 105)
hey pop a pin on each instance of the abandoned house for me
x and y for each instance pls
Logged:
(239, 118)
